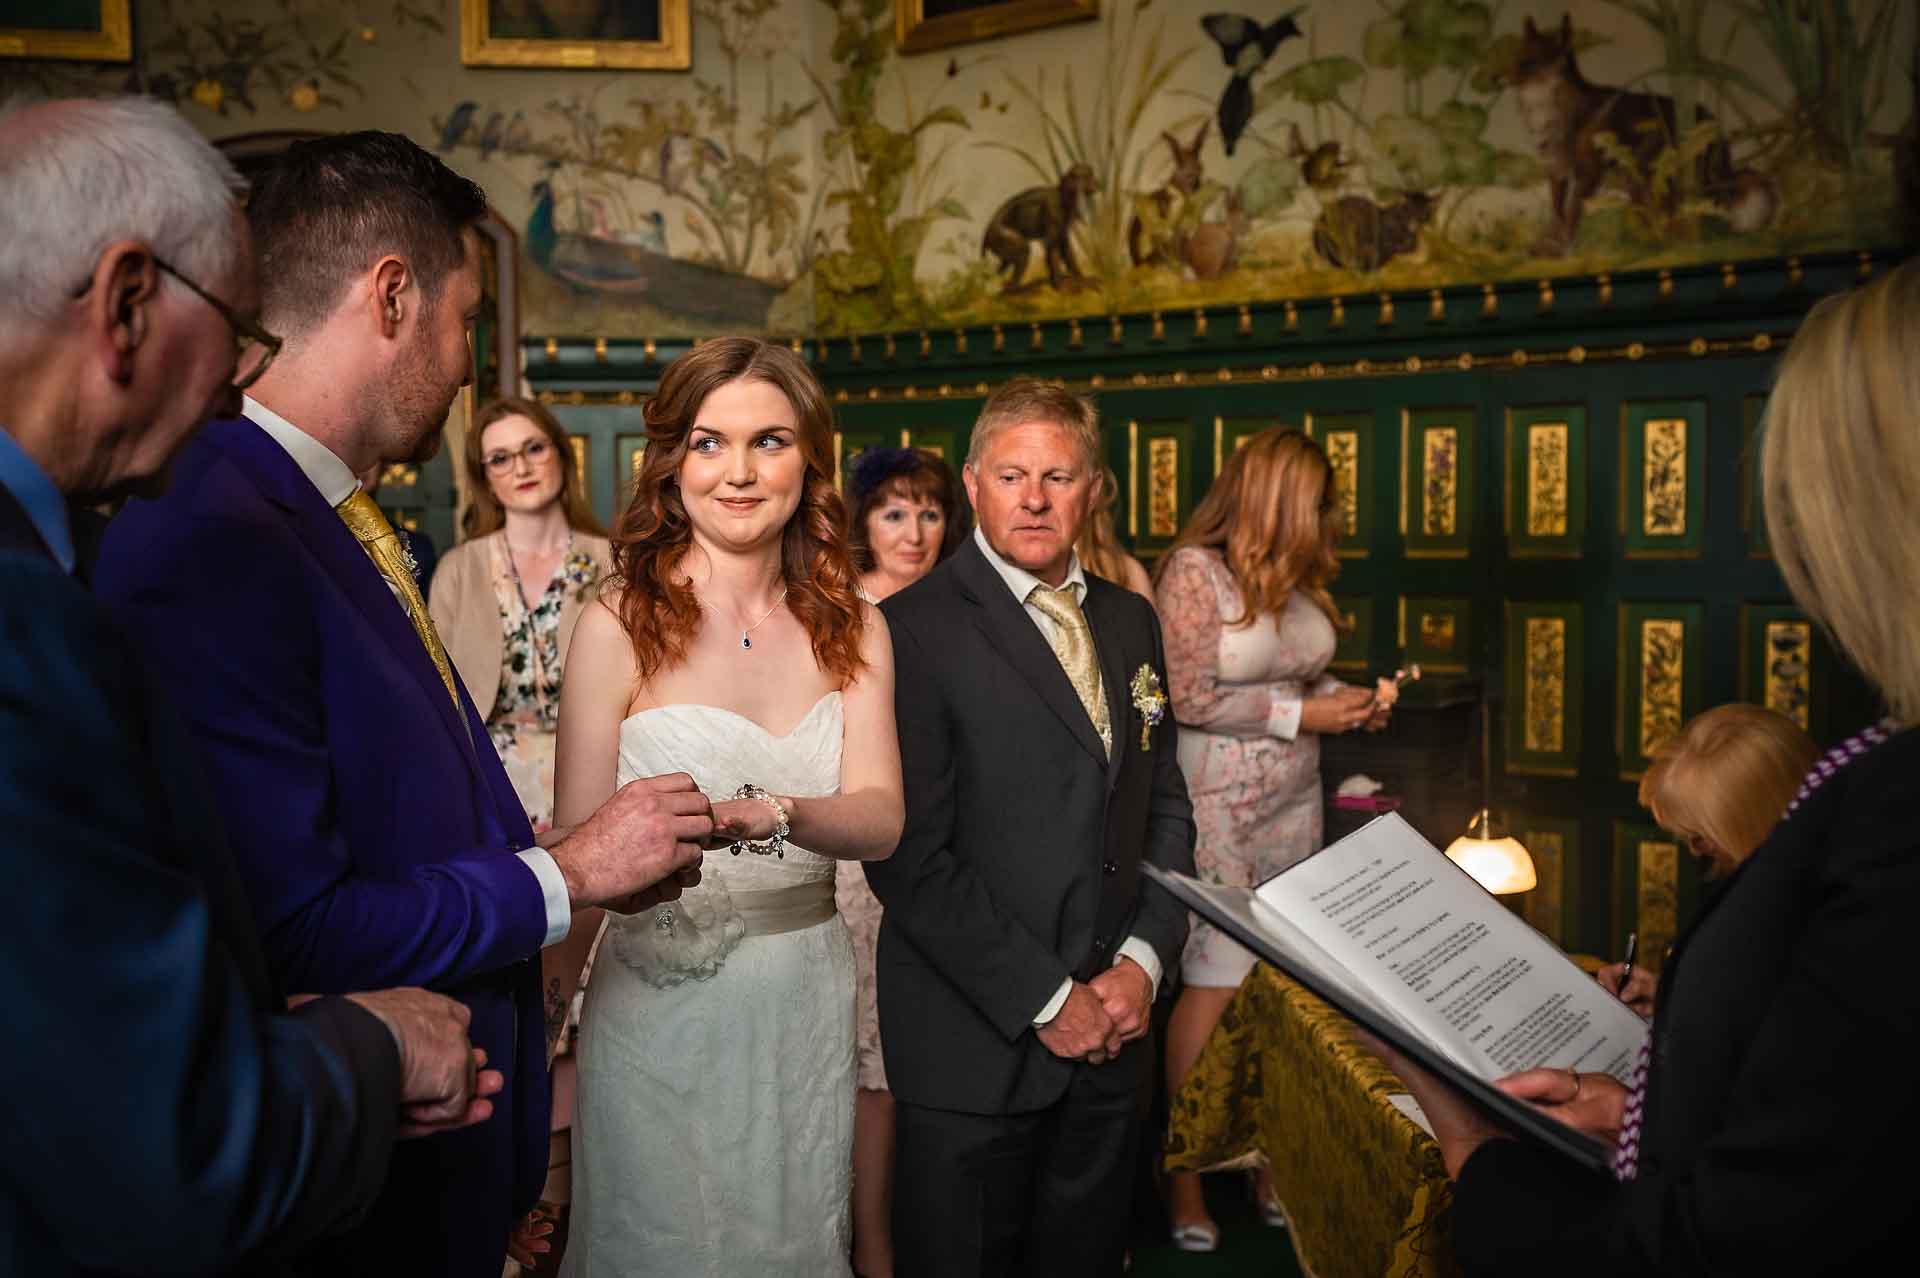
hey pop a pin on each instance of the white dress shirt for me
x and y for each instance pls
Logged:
(336, 482)
(1021, 583)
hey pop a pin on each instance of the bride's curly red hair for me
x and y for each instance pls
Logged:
(652, 537)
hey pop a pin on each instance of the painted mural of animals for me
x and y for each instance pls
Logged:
(1356, 234)
(1213, 247)
(1045, 214)
(1245, 46)
(1153, 243)
(1566, 114)
(1321, 167)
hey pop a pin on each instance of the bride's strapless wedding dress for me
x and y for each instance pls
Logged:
(714, 1126)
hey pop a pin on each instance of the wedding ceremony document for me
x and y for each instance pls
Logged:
(1381, 925)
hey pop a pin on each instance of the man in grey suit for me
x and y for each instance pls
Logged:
(1022, 948)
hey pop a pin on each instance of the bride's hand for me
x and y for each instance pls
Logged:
(738, 819)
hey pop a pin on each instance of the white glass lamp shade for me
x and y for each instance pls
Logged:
(1500, 865)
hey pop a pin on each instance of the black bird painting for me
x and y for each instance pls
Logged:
(490, 134)
(1245, 46)
(457, 125)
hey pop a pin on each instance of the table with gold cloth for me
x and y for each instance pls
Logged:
(1362, 1184)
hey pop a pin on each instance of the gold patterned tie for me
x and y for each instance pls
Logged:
(364, 520)
(1072, 641)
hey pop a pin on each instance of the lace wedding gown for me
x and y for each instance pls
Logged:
(713, 1134)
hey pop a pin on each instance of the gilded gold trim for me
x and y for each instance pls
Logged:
(915, 32)
(673, 51)
(579, 443)
(113, 42)
(1163, 490)
(1179, 379)
(1133, 479)
(1219, 444)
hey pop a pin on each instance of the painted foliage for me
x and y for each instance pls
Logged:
(807, 176)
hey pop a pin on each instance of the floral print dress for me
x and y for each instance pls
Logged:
(526, 711)
(1253, 775)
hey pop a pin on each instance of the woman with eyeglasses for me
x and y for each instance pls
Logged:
(1249, 625)
(505, 602)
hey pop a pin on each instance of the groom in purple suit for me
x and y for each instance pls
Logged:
(375, 831)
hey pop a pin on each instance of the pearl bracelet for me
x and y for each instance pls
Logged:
(776, 843)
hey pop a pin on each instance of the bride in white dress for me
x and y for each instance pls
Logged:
(713, 1129)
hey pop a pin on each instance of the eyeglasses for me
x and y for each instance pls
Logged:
(500, 461)
(254, 346)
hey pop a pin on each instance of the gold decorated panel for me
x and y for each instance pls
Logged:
(1663, 675)
(1789, 669)
(1544, 685)
(1664, 477)
(1657, 894)
(1440, 481)
(580, 444)
(1343, 454)
(1546, 502)
(1163, 487)
(1544, 907)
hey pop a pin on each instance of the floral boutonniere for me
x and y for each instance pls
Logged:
(580, 572)
(1150, 701)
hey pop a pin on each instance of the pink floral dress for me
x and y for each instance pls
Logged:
(1253, 775)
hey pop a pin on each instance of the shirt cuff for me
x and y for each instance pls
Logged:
(1140, 952)
(1283, 720)
(1054, 1004)
(553, 890)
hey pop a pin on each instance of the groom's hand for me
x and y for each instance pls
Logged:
(1081, 1029)
(639, 847)
(1126, 992)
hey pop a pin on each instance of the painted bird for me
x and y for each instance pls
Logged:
(491, 133)
(1321, 166)
(457, 125)
(584, 262)
(1245, 46)
(519, 136)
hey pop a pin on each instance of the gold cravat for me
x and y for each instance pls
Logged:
(365, 521)
(1072, 641)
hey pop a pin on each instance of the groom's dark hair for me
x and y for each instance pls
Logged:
(327, 209)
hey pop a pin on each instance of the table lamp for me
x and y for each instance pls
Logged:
(1495, 859)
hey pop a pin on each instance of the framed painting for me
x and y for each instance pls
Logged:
(645, 35)
(70, 30)
(1663, 479)
(923, 25)
(1546, 507)
(1545, 675)
(1348, 441)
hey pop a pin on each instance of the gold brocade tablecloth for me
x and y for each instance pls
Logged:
(1363, 1186)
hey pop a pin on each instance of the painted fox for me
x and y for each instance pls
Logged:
(1565, 113)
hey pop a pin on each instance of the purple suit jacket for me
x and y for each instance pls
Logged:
(372, 823)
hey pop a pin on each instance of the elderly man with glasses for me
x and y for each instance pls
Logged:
(166, 1112)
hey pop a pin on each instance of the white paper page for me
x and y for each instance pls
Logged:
(1449, 959)
(1297, 946)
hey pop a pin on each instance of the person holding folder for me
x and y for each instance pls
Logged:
(1757, 1136)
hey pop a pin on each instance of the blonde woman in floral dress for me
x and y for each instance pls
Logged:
(1249, 628)
(505, 602)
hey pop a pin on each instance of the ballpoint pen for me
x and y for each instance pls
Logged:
(1626, 972)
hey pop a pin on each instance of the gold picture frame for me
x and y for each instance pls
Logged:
(917, 32)
(481, 47)
(111, 40)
